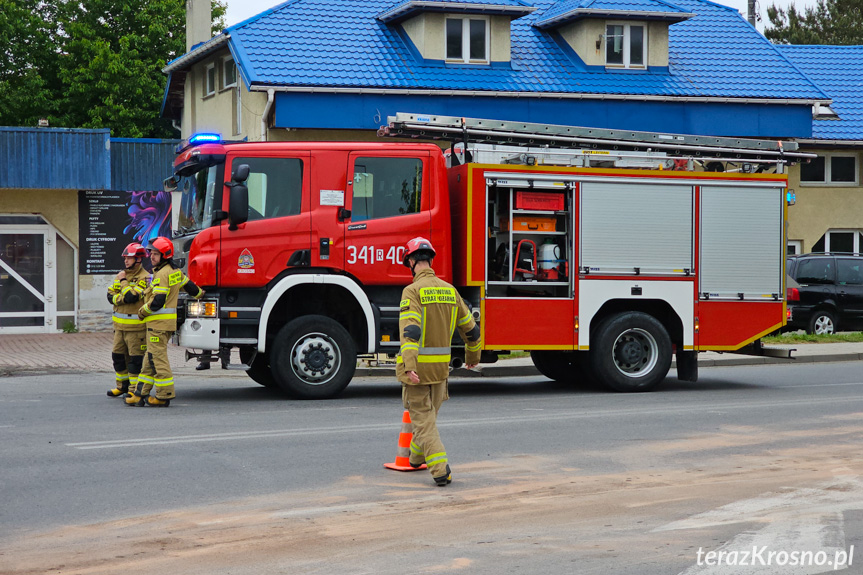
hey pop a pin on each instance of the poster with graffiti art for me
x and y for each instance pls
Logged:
(108, 221)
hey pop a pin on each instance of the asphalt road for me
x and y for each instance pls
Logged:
(546, 478)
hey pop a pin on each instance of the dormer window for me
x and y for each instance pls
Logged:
(467, 40)
(625, 45)
(457, 31)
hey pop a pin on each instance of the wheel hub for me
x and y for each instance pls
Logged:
(635, 352)
(315, 358)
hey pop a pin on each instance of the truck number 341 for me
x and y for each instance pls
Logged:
(369, 255)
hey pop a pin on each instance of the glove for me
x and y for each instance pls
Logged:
(143, 312)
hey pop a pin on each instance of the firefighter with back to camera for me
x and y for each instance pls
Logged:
(159, 314)
(430, 312)
(126, 294)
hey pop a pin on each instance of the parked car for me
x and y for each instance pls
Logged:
(829, 292)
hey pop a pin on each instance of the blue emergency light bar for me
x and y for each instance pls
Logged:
(205, 138)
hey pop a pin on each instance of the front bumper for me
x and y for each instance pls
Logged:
(200, 333)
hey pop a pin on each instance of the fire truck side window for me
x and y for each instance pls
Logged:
(275, 186)
(386, 187)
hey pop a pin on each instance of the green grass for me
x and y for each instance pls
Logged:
(514, 355)
(854, 336)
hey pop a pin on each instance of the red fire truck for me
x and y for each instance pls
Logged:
(602, 252)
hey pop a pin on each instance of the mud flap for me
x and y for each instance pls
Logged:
(687, 365)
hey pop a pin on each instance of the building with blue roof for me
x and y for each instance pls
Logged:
(335, 69)
(829, 211)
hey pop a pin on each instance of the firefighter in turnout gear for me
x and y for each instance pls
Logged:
(159, 314)
(430, 312)
(126, 295)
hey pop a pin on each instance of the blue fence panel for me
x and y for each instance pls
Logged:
(55, 158)
(140, 164)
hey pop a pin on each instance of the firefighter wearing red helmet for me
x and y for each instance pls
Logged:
(126, 295)
(159, 314)
(430, 312)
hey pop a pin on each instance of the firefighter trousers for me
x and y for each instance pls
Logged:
(127, 355)
(423, 403)
(157, 370)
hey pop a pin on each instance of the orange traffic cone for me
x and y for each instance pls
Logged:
(403, 455)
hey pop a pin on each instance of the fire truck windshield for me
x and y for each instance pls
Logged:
(198, 195)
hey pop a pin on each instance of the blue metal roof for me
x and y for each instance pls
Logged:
(408, 8)
(566, 11)
(342, 44)
(55, 158)
(838, 70)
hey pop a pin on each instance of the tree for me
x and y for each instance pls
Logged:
(836, 22)
(92, 63)
(29, 80)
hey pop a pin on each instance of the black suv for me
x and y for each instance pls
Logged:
(829, 296)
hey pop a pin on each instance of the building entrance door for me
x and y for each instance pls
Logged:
(34, 259)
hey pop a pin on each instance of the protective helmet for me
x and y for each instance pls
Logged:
(418, 247)
(134, 250)
(163, 246)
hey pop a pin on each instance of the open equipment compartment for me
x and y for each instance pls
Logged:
(530, 237)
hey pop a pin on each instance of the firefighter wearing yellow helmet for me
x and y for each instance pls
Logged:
(126, 295)
(430, 312)
(159, 314)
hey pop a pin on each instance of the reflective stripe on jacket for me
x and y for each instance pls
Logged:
(430, 312)
(167, 281)
(125, 315)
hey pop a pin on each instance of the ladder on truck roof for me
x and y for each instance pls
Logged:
(679, 146)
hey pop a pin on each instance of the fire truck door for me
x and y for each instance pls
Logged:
(278, 226)
(388, 195)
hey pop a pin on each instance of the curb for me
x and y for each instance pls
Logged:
(499, 369)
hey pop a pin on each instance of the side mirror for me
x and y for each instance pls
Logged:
(241, 173)
(238, 209)
(170, 184)
(238, 201)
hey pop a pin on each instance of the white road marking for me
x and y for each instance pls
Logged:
(651, 409)
(801, 520)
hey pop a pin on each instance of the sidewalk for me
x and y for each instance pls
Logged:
(48, 353)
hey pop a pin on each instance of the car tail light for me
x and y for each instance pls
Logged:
(792, 294)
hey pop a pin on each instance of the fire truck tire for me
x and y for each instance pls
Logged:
(313, 357)
(630, 351)
(562, 366)
(260, 368)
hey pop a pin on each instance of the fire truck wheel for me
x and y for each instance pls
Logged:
(313, 357)
(562, 366)
(260, 367)
(630, 351)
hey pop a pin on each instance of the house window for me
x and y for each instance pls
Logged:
(832, 169)
(386, 187)
(840, 241)
(210, 80)
(795, 247)
(467, 40)
(625, 45)
(229, 73)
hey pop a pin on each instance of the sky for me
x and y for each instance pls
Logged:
(239, 10)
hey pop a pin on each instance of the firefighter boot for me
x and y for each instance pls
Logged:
(118, 391)
(156, 402)
(135, 400)
(444, 480)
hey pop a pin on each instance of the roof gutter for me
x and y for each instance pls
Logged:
(544, 95)
(197, 53)
(811, 142)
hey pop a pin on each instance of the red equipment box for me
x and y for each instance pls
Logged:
(539, 201)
